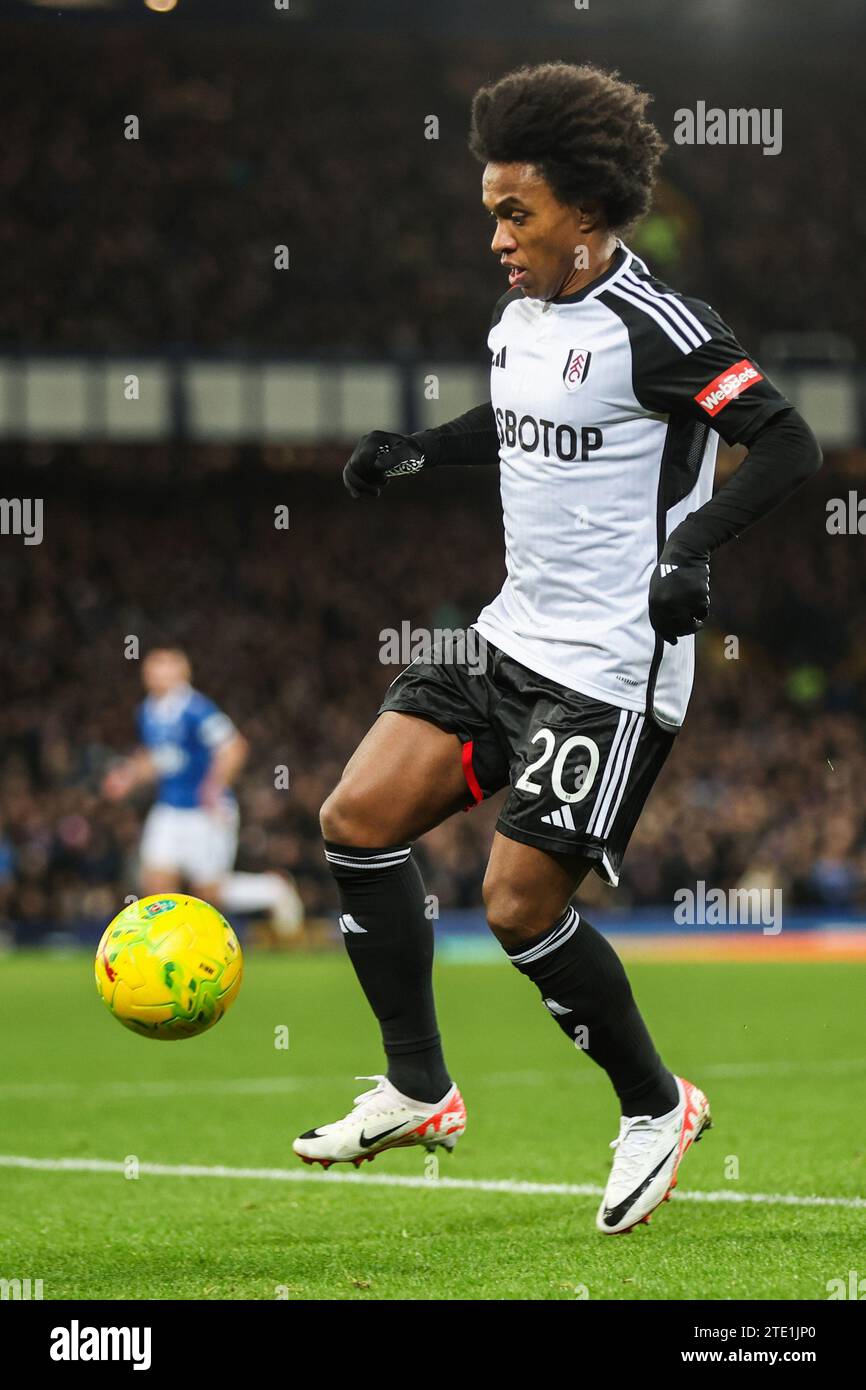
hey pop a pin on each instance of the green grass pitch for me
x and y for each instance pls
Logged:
(780, 1050)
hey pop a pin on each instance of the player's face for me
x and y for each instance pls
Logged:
(536, 236)
(164, 671)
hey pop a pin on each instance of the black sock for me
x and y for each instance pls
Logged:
(585, 988)
(390, 943)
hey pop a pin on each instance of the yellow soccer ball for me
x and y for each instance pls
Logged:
(168, 966)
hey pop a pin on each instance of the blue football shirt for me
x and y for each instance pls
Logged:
(182, 731)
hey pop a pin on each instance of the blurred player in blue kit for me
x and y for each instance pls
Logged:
(193, 753)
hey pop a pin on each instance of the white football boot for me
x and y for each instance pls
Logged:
(382, 1118)
(648, 1153)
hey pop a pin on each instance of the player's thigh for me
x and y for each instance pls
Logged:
(213, 843)
(526, 889)
(160, 869)
(211, 850)
(405, 777)
(209, 892)
(156, 880)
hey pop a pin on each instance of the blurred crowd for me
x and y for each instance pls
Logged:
(144, 189)
(764, 786)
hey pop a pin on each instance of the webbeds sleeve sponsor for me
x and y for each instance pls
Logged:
(729, 384)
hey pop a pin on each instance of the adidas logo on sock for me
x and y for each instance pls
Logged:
(561, 817)
(348, 924)
(555, 1008)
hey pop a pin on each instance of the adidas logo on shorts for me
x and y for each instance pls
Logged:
(562, 818)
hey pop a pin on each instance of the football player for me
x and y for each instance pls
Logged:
(609, 391)
(193, 753)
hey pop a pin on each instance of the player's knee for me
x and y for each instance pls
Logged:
(346, 818)
(336, 818)
(513, 914)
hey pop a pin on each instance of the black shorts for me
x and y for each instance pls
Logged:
(579, 770)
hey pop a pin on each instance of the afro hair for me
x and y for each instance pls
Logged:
(584, 129)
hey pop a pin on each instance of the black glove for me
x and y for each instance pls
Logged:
(378, 457)
(679, 593)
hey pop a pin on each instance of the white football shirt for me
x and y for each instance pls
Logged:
(608, 405)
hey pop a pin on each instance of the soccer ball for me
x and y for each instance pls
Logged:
(168, 966)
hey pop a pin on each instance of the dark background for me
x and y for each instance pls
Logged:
(307, 128)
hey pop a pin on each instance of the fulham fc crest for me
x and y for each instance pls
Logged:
(576, 367)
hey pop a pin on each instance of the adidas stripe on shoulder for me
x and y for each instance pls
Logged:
(668, 310)
(686, 360)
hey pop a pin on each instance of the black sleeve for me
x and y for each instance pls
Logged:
(782, 455)
(470, 438)
(694, 366)
(687, 363)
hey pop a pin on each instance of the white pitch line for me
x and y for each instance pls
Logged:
(510, 1185)
(784, 1067)
(720, 1071)
(137, 1090)
(266, 1085)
